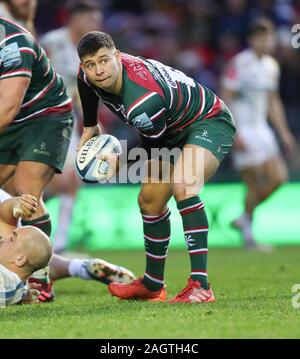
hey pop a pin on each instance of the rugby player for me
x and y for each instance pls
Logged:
(36, 119)
(250, 88)
(24, 250)
(170, 110)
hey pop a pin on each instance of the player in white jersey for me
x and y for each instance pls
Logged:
(23, 250)
(61, 48)
(32, 246)
(250, 88)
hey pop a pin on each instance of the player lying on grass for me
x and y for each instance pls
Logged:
(24, 250)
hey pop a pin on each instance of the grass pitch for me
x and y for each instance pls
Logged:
(253, 291)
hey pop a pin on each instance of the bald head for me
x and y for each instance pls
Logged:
(35, 245)
(25, 250)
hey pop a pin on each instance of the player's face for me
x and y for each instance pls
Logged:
(264, 43)
(103, 68)
(87, 21)
(22, 8)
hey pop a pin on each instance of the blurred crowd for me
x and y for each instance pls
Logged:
(196, 36)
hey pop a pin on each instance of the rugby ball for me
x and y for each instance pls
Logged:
(88, 167)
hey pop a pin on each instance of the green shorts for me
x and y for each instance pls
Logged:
(44, 139)
(216, 134)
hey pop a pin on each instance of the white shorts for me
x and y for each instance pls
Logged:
(261, 145)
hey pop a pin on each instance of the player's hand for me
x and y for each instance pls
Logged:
(31, 296)
(24, 206)
(88, 132)
(289, 143)
(113, 163)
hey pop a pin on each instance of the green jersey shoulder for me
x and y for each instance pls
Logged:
(22, 56)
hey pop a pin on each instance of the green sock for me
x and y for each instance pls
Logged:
(195, 227)
(43, 223)
(157, 237)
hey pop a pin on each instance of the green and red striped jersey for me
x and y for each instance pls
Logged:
(155, 98)
(21, 55)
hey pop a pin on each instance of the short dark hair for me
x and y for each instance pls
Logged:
(91, 42)
(260, 26)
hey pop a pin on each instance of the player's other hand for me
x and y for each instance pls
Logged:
(25, 206)
(32, 294)
(88, 132)
(113, 163)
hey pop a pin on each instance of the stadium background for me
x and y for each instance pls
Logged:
(198, 37)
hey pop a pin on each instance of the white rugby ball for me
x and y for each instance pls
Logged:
(88, 167)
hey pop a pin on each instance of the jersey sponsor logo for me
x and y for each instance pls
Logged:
(172, 76)
(137, 65)
(10, 55)
(203, 136)
(139, 70)
(168, 77)
(42, 150)
(142, 122)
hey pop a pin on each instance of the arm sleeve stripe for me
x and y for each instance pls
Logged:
(15, 73)
(28, 50)
(157, 135)
(157, 115)
(11, 36)
(40, 94)
(52, 108)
